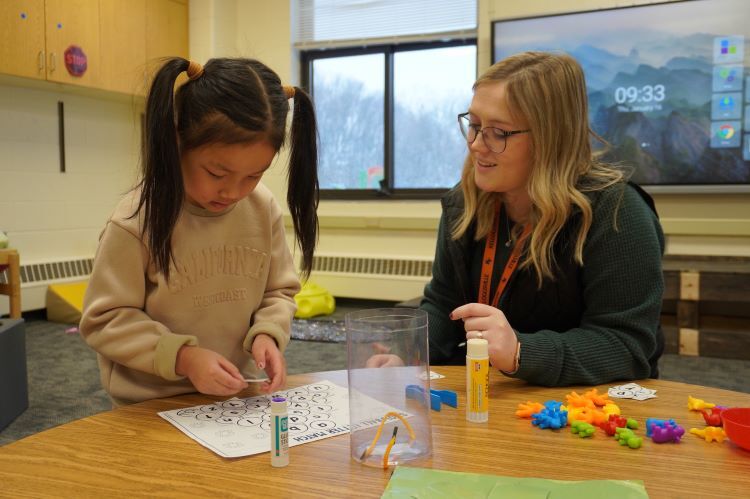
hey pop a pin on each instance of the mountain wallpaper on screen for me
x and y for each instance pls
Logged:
(651, 91)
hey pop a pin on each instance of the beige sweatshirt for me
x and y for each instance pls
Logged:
(234, 278)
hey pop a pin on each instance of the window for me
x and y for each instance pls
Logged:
(349, 93)
(387, 111)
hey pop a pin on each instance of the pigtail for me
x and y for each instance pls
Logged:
(162, 189)
(302, 193)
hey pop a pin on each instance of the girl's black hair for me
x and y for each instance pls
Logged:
(234, 101)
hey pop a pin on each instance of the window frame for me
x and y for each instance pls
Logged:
(387, 191)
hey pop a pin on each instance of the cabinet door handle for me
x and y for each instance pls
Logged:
(41, 60)
(52, 64)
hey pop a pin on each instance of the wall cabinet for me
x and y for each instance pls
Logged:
(22, 38)
(122, 38)
(166, 29)
(72, 23)
(118, 38)
(166, 34)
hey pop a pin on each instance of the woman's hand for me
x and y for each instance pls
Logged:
(209, 371)
(268, 357)
(485, 321)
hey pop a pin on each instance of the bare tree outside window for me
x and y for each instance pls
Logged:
(427, 85)
(431, 87)
(349, 100)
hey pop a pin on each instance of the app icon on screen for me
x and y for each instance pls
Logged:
(727, 78)
(729, 49)
(725, 134)
(726, 106)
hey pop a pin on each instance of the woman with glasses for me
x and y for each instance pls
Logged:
(543, 250)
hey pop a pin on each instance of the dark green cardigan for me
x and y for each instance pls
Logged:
(590, 325)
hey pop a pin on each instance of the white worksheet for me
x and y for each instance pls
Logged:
(242, 427)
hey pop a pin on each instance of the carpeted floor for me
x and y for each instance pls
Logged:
(64, 377)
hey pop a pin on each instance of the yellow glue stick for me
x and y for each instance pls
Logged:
(477, 381)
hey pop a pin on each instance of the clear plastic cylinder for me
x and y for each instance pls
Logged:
(389, 381)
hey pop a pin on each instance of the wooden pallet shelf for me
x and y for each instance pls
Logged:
(706, 306)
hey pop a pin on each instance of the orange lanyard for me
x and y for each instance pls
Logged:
(488, 262)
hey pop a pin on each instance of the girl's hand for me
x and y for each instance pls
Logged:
(209, 371)
(383, 358)
(268, 357)
(485, 321)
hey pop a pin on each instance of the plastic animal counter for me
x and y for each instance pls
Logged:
(625, 436)
(663, 431)
(710, 433)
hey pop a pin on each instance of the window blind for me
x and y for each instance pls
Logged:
(338, 23)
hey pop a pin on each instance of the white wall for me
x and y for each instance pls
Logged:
(54, 216)
(50, 215)
(695, 224)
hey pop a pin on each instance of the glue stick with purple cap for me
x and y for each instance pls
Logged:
(279, 432)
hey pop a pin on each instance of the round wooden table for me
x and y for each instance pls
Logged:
(131, 451)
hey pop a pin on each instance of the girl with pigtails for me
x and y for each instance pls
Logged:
(193, 283)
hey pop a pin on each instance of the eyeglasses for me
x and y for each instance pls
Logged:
(494, 138)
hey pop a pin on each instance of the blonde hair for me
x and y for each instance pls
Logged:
(549, 92)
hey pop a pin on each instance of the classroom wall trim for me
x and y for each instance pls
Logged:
(350, 276)
(404, 220)
(53, 271)
(378, 266)
(371, 277)
(36, 278)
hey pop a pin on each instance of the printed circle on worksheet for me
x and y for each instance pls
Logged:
(322, 424)
(296, 428)
(297, 419)
(321, 408)
(266, 425)
(320, 398)
(233, 403)
(188, 412)
(293, 393)
(298, 412)
(224, 433)
(250, 421)
(301, 398)
(207, 416)
(317, 416)
(298, 405)
(233, 445)
(210, 408)
(234, 412)
(257, 406)
(227, 419)
(318, 388)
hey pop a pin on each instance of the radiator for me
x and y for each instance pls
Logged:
(35, 277)
(347, 276)
(371, 277)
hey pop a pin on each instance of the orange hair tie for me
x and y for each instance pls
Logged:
(194, 70)
(288, 91)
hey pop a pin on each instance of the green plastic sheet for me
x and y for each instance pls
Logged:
(420, 483)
